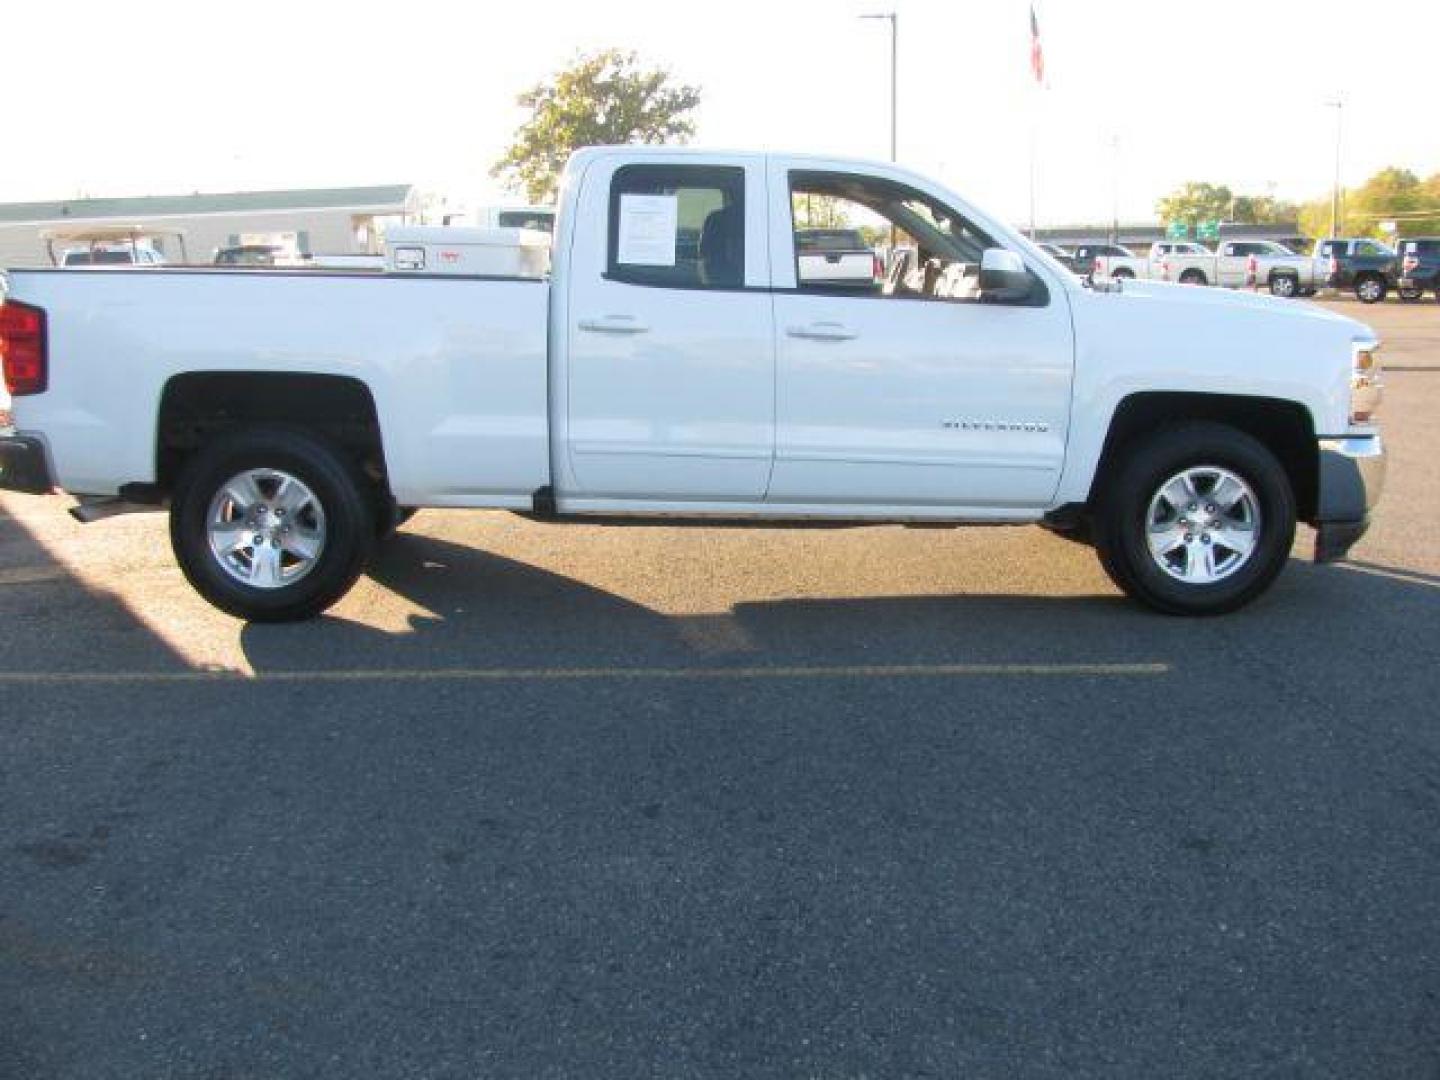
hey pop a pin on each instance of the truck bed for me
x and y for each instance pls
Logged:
(456, 367)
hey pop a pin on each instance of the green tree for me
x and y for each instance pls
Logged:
(1262, 210)
(1392, 194)
(1195, 202)
(601, 99)
(819, 211)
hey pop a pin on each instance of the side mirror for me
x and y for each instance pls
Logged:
(1003, 276)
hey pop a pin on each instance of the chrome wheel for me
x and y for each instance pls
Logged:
(1283, 286)
(266, 528)
(1202, 525)
(1370, 290)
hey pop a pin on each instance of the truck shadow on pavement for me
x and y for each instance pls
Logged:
(54, 621)
(490, 612)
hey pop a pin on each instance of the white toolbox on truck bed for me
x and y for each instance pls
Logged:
(422, 249)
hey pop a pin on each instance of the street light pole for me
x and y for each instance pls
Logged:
(1339, 107)
(894, 77)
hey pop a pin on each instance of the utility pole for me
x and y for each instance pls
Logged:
(1339, 107)
(894, 77)
(1115, 189)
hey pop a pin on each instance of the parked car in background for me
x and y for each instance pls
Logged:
(1363, 265)
(1419, 267)
(838, 257)
(1240, 263)
(1086, 255)
(539, 218)
(111, 255)
(1119, 267)
(1163, 248)
(258, 255)
(1122, 267)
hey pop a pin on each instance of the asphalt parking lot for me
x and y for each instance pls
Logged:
(562, 801)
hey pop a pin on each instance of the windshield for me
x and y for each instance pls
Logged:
(120, 257)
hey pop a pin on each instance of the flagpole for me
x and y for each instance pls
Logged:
(1034, 97)
(1037, 66)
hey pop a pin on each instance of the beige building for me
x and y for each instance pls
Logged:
(318, 221)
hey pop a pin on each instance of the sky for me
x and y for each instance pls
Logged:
(161, 97)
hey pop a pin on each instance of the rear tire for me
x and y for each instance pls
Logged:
(1217, 546)
(1284, 285)
(271, 525)
(1370, 289)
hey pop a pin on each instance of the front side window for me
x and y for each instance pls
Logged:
(678, 226)
(865, 235)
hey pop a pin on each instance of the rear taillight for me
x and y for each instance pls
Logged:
(22, 348)
(1096, 268)
(1334, 266)
(877, 268)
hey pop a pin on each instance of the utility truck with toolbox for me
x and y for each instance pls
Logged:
(675, 365)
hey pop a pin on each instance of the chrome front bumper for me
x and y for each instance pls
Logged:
(1352, 475)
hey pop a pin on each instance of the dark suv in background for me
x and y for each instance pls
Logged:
(1419, 267)
(1364, 265)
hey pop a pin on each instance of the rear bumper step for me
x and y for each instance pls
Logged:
(24, 466)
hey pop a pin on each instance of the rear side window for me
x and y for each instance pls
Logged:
(678, 226)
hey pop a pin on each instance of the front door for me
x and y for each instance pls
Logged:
(911, 392)
(671, 359)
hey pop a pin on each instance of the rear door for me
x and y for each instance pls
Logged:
(671, 359)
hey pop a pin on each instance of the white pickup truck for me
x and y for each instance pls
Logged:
(838, 257)
(1117, 267)
(674, 366)
(1241, 263)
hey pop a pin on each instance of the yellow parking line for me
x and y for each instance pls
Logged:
(861, 671)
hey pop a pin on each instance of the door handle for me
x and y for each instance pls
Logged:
(823, 331)
(614, 324)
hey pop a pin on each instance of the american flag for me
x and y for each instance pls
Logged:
(1037, 54)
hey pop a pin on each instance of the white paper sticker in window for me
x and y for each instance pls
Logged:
(648, 225)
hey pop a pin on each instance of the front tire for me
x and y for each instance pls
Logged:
(271, 525)
(1195, 520)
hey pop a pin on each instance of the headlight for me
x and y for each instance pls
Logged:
(1366, 383)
